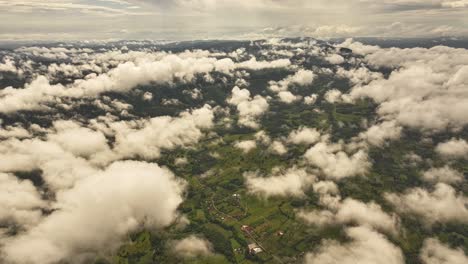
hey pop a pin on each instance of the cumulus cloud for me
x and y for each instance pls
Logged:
(147, 96)
(147, 138)
(359, 76)
(380, 134)
(351, 211)
(334, 162)
(192, 246)
(335, 59)
(249, 109)
(246, 146)
(366, 247)
(425, 90)
(8, 65)
(97, 214)
(20, 201)
(301, 77)
(441, 205)
(434, 252)
(291, 182)
(456, 148)
(71, 152)
(311, 99)
(136, 69)
(443, 174)
(278, 147)
(69, 135)
(13, 132)
(287, 97)
(304, 135)
(60, 168)
(333, 96)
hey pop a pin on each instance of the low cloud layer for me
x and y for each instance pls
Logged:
(366, 246)
(441, 205)
(434, 252)
(70, 230)
(192, 246)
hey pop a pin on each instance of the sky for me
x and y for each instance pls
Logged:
(229, 19)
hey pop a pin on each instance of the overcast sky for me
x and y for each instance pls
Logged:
(232, 19)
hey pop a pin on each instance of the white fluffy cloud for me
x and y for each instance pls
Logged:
(20, 201)
(310, 100)
(292, 182)
(246, 146)
(14, 132)
(441, 205)
(72, 152)
(443, 174)
(138, 68)
(434, 252)
(98, 213)
(379, 134)
(8, 65)
(456, 148)
(287, 97)
(304, 135)
(60, 168)
(335, 59)
(366, 247)
(249, 108)
(80, 141)
(350, 211)
(278, 148)
(192, 246)
(147, 138)
(333, 96)
(301, 77)
(426, 90)
(334, 162)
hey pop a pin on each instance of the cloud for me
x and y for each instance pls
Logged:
(291, 182)
(304, 135)
(310, 100)
(98, 213)
(425, 90)
(434, 252)
(249, 109)
(335, 59)
(443, 174)
(379, 134)
(301, 77)
(351, 211)
(441, 205)
(334, 162)
(278, 148)
(21, 202)
(13, 132)
(60, 169)
(333, 96)
(287, 97)
(64, 160)
(67, 134)
(139, 68)
(455, 148)
(147, 138)
(8, 65)
(246, 146)
(359, 76)
(366, 247)
(192, 246)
